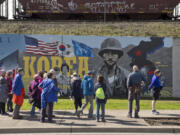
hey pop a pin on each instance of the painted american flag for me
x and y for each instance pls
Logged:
(38, 47)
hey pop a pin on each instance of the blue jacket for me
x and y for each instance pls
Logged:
(49, 92)
(155, 83)
(87, 86)
(17, 85)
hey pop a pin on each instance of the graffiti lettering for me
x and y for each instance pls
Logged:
(49, 4)
(72, 6)
(109, 7)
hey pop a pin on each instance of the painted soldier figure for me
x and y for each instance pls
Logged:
(115, 76)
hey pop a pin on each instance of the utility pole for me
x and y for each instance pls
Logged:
(104, 11)
(7, 8)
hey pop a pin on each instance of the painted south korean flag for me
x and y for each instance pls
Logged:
(66, 50)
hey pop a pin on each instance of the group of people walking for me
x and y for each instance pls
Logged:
(11, 92)
(43, 92)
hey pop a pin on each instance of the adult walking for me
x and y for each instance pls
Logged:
(88, 92)
(18, 93)
(9, 79)
(76, 91)
(134, 83)
(3, 92)
(48, 96)
(35, 94)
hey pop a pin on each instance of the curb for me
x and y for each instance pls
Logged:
(90, 130)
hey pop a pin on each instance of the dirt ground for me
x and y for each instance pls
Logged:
(124, 28)
(163, 121)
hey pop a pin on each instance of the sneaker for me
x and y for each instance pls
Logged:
(103, 120)
(5, 114)
(78, 114)
(136, 116)
(97, 119)
(75, 113)
(50, 121)
(42, 121)
(90, 117)
(155, 112)
(18, 117)
(10, 110)
(129, 115)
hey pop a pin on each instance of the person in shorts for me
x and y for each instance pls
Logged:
(155, 87)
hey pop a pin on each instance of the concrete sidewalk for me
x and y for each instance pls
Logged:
(65, 121)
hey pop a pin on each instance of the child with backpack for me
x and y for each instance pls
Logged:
(101, 98)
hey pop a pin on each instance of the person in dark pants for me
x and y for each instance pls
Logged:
(134, 83)
(77, 92)
(2, 108)
(87, 86)
(100, 103)
(9, 78)
(3, 92)
(155, 87)
(35, 94)
(48, 97)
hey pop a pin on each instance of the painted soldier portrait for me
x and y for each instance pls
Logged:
(115, 75)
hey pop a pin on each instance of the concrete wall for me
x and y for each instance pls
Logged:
(176, 68)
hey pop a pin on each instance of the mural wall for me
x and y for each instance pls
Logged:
(112, 57)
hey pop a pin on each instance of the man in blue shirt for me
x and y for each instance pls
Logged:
(156, 87)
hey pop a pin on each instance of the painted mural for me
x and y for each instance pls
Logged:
(113, 57)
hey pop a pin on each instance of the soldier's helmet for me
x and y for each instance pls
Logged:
(111, 44)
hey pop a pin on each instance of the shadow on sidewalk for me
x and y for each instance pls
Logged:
(72, 114)
(67, 118)
(123, 122)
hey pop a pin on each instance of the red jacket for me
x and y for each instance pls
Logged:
(9, 80)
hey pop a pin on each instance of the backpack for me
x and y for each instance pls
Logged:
(78, 84)
(100, 93)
